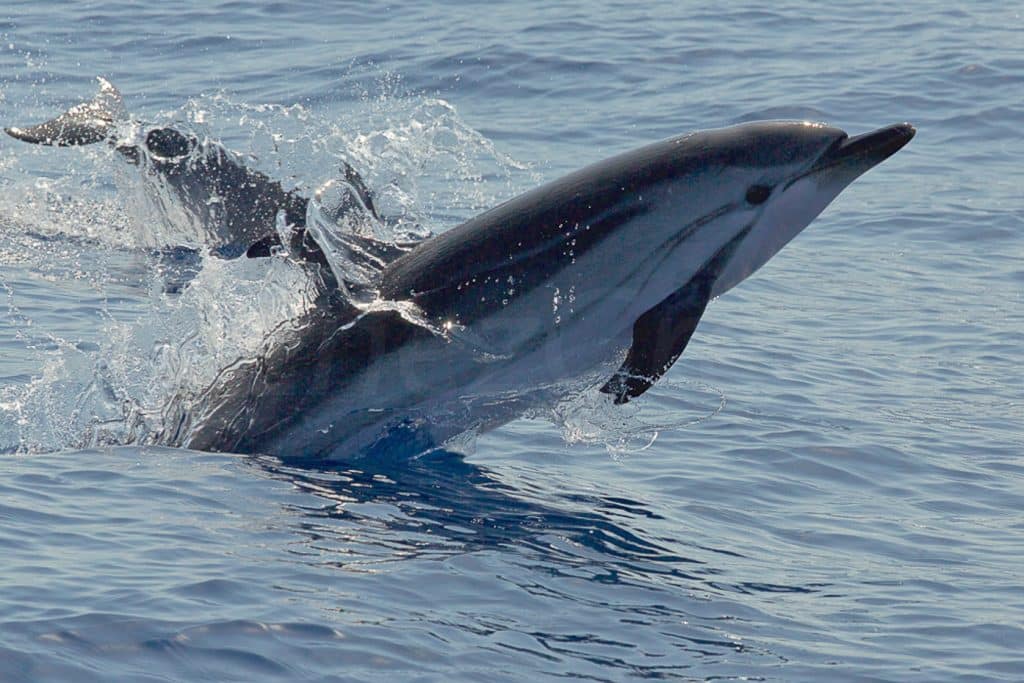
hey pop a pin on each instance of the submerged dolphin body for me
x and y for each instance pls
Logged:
(599, 278)
(235, 209)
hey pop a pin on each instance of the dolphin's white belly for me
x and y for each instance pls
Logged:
(473, 378)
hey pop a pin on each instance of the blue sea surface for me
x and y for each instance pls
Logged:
(828, 485)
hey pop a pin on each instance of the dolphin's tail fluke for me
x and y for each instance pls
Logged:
(83, 124)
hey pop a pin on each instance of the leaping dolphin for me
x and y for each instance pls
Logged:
(598, 278)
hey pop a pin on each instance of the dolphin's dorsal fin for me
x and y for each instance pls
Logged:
(83, 124)
(661, 334)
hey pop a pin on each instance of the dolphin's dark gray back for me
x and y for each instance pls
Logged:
(527, 237)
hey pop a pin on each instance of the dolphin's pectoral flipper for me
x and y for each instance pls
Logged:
(83, 124)
(659, 337)
(661, 334)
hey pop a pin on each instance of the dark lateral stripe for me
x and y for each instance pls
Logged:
(518, 272)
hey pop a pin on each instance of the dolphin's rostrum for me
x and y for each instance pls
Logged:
(600, 277)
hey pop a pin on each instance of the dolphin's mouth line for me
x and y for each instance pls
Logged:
(869, 149)
(876, 146)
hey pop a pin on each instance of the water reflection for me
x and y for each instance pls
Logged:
(505, 560)
(440, 505)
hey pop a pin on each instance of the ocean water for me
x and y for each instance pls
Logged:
(829, 484)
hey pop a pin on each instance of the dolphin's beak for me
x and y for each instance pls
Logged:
(861, 152)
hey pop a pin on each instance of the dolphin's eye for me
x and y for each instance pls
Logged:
(167, 143)
(758, 194)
